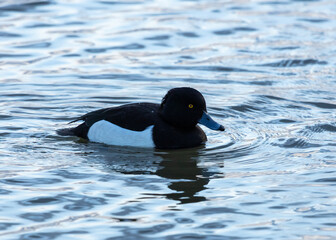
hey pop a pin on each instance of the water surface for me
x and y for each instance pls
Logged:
(267, 71)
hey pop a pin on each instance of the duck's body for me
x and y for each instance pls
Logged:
(169, 125)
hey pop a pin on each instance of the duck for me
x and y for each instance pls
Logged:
(172, 124)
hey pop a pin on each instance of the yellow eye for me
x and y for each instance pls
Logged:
(190, 106)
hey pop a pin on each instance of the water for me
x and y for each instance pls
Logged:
(267, 71)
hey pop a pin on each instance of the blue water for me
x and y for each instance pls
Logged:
(267, 71)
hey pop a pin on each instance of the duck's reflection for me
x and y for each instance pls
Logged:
(180, 166)
(189, 178)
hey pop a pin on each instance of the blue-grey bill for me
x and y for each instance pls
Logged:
(207, 121)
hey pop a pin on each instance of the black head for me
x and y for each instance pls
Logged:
(183, 107)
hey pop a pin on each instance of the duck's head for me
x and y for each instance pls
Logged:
(185, 107)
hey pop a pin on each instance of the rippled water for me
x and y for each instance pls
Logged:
(267, 71)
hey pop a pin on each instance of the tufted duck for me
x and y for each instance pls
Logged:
(169, 125)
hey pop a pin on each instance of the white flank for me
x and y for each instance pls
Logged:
(111, 134)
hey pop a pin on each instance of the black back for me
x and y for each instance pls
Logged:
(134, 116)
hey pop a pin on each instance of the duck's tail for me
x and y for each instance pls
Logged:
(66, 132)
(79, 131)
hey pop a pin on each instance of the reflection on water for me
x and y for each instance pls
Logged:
(267, 71)
(179, 166)
(190, 178)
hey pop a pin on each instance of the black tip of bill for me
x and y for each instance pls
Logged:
(221, 128)
(207, 121)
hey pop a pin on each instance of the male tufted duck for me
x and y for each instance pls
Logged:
(169, 125)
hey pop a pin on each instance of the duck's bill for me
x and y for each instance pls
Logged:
(207, 121)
